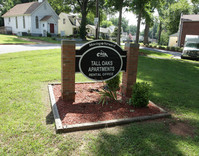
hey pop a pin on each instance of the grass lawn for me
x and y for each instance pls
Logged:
(26, 121)
(155, 54)
(11, 39)
(46, 39)
(50, 39)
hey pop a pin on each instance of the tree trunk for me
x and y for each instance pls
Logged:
(83, 26)
(159, 32)
(138, 27)
(119, 24)
(146, 34)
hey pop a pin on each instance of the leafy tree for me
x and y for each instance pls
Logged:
(106, 24)
(117, 5)
(132, 29)
(147, 14)
(124, 24)
(82, 6)
(138, 7)
(60, 6)
(162, 16)
(173, 15)
(154, 30)
(5, 5)
(195, 6)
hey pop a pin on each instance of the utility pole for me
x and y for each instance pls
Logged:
(97, 20)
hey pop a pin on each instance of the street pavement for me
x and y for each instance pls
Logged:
(19, 48)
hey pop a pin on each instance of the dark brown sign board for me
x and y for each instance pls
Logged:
(100, 60)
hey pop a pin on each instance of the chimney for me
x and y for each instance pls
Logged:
(40, 1)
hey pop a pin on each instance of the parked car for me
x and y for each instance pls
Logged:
(191, 47)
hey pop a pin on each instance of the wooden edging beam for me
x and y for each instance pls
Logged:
(95, 125)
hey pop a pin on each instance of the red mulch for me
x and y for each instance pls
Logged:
(86, 108)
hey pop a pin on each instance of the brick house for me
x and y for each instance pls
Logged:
(189, 25)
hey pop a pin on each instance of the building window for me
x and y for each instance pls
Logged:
(9, 19)
(24, 24)
(64, 21)
(16, 22)
(43, 25)
(37, 22)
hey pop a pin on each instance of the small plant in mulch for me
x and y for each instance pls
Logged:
(110, 90)
(107, 95)
(140, 95)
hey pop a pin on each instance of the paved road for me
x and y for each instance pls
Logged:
(18, 48)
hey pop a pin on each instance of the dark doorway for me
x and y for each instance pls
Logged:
(51, 28)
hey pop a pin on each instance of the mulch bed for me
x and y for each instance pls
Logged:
(86, 107)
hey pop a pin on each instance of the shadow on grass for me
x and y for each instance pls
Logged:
(50, 119)
(174, 83)
(140, 139)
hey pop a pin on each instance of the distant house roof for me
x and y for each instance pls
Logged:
(190, 17)
(102, 30)
(73, 18)
(175, 35)
(22, 9)
(45, 18)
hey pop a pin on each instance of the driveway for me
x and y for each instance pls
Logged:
(18, 48)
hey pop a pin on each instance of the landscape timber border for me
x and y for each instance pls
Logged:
(95, 125)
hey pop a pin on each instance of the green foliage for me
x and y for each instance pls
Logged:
(107, 95)
(195, 6)
(164, 39)
(106, 24)
(25, 112)
(110, 92)
(140, 95)
(173, 13)
(125, 24)
(114, 83)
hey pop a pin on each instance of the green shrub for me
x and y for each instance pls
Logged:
(140, 95)
(114, 84)
(173, 48)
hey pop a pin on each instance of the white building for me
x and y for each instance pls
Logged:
(35, 18)
(103, 32)
(68, 24)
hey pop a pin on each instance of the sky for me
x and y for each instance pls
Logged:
(132, 18)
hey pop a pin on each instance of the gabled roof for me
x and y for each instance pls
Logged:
(22, 9)
(45, 18)
(190, 17)
(72, 18)
(102, 30)
(175, 35)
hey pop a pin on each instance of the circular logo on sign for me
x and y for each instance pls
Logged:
(100, 63)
